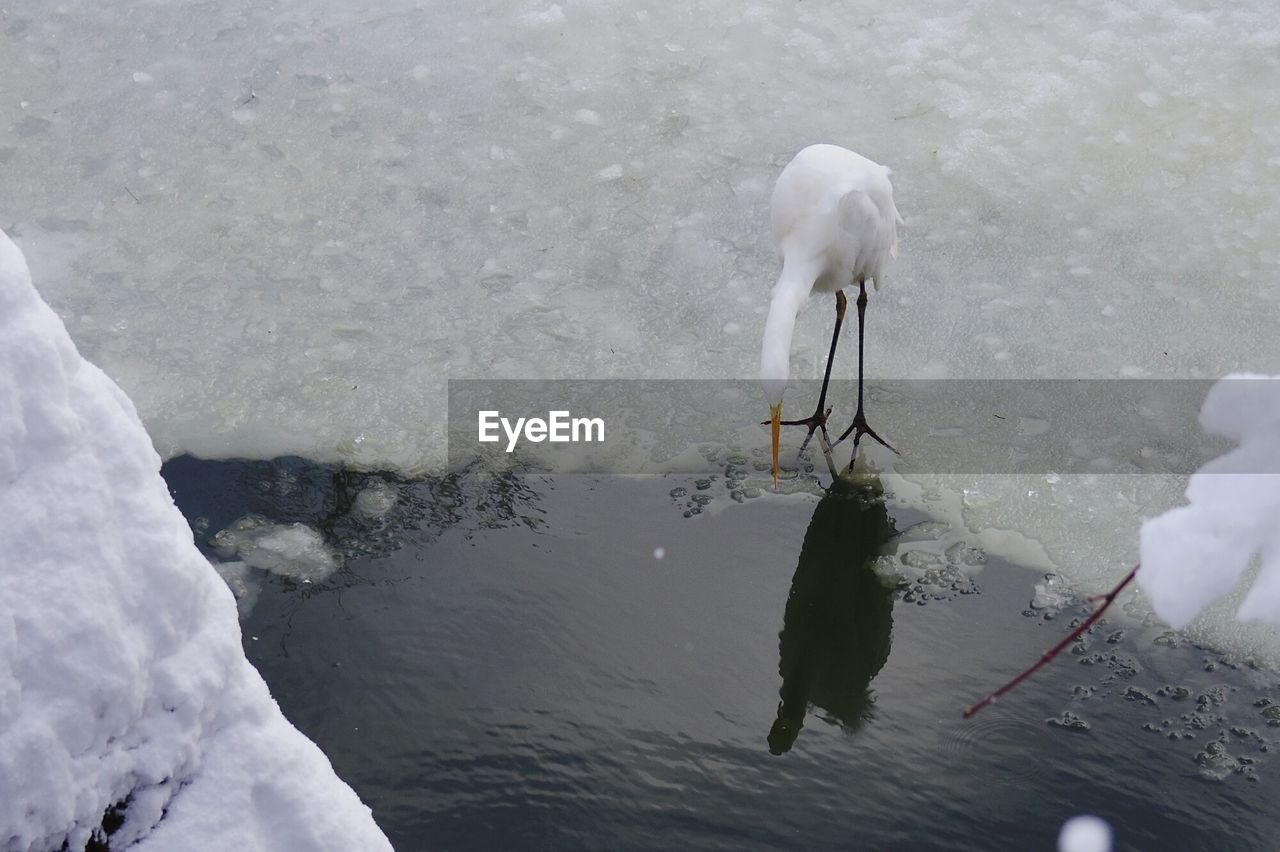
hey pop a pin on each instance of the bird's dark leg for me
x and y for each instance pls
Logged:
(859, 425)
(819, 418)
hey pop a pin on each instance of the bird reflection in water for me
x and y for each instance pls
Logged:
(836, 630)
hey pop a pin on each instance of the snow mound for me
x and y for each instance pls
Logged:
(1194, 554)
(1086, 833)
(122, 677)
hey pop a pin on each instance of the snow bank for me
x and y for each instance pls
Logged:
(121, 672)
(1194, 554)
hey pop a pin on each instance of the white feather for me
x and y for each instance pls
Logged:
(836, 225)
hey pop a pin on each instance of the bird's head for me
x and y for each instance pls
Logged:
(775, 352)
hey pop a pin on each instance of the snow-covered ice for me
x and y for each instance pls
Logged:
(1087, 195)
(1193, 555)
(293, 254)
(122, 677)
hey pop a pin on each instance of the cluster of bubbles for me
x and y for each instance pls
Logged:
(744, 473)
(1069, 721)
(1229, 736)
(927, 564)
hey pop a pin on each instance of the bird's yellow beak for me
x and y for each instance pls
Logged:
(775, 412)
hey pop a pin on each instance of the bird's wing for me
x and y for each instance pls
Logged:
(869, 229)
(858, 213)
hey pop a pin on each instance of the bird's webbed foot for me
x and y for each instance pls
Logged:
(858, 428)
(814, 423)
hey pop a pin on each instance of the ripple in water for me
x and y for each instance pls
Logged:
(995, 733)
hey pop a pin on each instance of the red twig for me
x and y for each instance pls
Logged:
(1048, 655)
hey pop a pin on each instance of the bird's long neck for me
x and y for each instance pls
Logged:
(793, 287)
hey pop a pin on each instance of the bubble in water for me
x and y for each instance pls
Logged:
(1070, 722)
(1050, 596)
(1217, 764)
(659, 552)
(376, 500)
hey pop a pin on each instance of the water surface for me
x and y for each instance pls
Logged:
(505, 662)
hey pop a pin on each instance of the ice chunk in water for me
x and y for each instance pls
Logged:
(290, 550)
(376, 499)
(242, 583)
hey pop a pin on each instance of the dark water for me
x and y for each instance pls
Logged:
(503, 662)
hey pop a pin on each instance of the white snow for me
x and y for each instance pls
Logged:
(1194, 554)
(1093, 197)
(553, 14)
(1085, 833)
(121, 670)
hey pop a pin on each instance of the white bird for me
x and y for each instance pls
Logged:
(836, 225)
